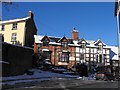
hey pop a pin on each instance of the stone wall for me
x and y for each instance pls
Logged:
(15, 59)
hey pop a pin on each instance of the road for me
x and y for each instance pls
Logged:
(64, 84)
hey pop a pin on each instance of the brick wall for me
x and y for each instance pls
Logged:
(16, 59)
(55, 54)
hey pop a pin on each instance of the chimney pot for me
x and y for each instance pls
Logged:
(30, 14)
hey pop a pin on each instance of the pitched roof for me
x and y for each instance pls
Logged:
(98, 41)
(80, 40)
(113, 52)
(45, 37)
(38, 39)
(14, 20)
(64, 38)
(55, 40)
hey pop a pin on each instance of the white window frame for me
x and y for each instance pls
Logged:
(14, 26)
(14, 37)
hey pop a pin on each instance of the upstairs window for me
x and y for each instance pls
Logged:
(14, 26)
(2, 27)
(14, 37)
(64, 44)
(99, 47)
(45, 42)
(83, 45)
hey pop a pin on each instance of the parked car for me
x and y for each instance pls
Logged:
(105, 76)
(100, 76)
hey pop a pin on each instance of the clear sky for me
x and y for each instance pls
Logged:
(93, 20)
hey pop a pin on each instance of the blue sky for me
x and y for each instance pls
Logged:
(93, 20)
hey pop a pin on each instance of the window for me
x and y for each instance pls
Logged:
(2, 27)
(45, 43)
(64, 44)
(14, 36)
(96, 58)
(82, 56)
(83, 45)
(100, 60)
(38, 50)
(47, 56)
(14, 27)
(64, 57)
(99, 47)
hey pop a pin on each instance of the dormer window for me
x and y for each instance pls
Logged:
(83, 45)
(14, 26)
(100, 46)
(45, 41)
(64, 44)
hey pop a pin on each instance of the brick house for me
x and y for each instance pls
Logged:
(58, 51)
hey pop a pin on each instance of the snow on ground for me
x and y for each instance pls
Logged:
(38, 75)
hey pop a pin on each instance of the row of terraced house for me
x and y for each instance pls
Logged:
(59, 51)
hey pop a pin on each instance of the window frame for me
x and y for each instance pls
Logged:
(100, 47)
(2, 27)
(45, 42)
(64, 57)
(14, 26)
(14, 37)
(83, 45)
(64, 44)
(47, 55)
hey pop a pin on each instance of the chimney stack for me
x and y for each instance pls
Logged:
(75, 34)
(30, 14)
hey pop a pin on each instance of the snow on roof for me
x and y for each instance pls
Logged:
(90, 43)
(4, 62)
(75, 30)
(99, 41)
(38, 38)
(113, 52)
(14, 20)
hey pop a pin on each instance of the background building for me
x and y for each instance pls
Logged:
(69, 52)
(19, 31)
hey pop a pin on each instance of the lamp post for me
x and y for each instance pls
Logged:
(118, 18)
(117, 13)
